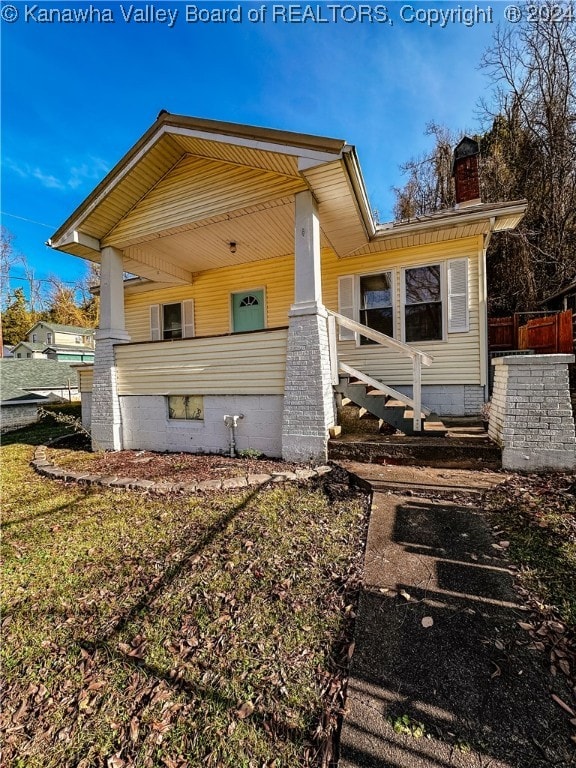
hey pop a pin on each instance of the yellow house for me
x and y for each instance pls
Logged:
(263, 287)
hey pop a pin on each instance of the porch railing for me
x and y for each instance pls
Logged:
(418, 357)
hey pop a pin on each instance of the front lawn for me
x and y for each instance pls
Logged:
(173, 631)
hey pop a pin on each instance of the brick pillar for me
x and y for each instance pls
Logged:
(106, 426)
(309, 408)
(530, 417)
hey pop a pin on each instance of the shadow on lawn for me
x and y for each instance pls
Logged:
(481, 696)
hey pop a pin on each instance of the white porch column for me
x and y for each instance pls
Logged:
(106, 424)
(308, 396)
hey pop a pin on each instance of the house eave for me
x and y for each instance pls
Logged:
(497, 216)
(72, 239)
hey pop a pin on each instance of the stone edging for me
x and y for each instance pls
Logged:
(44, 467)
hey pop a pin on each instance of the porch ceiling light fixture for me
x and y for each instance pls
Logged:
(232, 246)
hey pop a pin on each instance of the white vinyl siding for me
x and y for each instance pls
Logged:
(458, 313)
(243, 364)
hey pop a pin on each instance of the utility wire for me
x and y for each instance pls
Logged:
(30, 221)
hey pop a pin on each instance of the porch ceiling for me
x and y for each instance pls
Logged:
(191, 186)
(262, 232)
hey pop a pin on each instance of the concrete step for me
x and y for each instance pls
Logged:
(473, 452)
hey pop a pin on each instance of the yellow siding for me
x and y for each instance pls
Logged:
(69, 340)
(244, 364)
(211, 293)
(456, 360)
(85, 379)
(196, 189)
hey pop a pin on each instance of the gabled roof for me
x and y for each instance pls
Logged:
(31, 345)
(224, 171)
(80, 348)
(189, 187)
(77, 330)
(18, 378)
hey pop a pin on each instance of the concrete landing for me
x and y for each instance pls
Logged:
(410, 479)
(441, 675)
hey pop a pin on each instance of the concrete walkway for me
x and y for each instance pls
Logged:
(442, 674)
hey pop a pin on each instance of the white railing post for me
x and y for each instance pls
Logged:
(417, 392)
(333, 347)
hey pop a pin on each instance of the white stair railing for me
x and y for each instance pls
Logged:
(418, 357)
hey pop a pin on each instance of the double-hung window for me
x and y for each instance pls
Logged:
(434, 302)
(377, 303)
(172, 321)
(423, 303)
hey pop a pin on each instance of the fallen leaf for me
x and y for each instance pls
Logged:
(134, 729)
(405, 595)
(525, 625)
(245, 710)
(564, 666)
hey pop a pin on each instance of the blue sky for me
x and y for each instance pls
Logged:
(76, 96)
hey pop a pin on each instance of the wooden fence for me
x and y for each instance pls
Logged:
(544, 335)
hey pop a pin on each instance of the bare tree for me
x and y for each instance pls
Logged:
(429, 186)
(530, 150)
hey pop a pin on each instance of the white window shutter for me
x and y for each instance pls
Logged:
(188, 319)
(155, 334)
(347, 304)
(458, 320)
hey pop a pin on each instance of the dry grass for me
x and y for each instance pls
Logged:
(175, 631)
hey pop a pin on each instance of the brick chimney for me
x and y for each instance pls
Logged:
(465, 172)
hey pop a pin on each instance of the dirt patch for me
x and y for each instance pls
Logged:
(170, 467)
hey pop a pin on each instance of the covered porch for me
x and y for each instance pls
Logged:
(193, 197)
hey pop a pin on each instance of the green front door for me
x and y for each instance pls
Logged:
(248, 311)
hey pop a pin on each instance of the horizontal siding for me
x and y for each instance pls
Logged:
(211, 293)
(196, 189)
(243, 364)
(85, 379)
(126, 193)
(456, 360)
(232, 153)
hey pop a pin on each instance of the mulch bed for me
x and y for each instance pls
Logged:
(170, 467)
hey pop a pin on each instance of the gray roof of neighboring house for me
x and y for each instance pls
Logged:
(31, 345)
(7, 351)
(81, 348)
(58, 328)
(19, 377)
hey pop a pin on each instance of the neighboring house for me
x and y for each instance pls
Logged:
(57, 342)
(7, 352)
(26, 350)
(257, 258)
(29, 383)
(73, 354)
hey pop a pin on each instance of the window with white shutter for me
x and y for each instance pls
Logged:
(458, 318)
(188, 319)
(155, 322)
(172, 321)
(347, 304)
